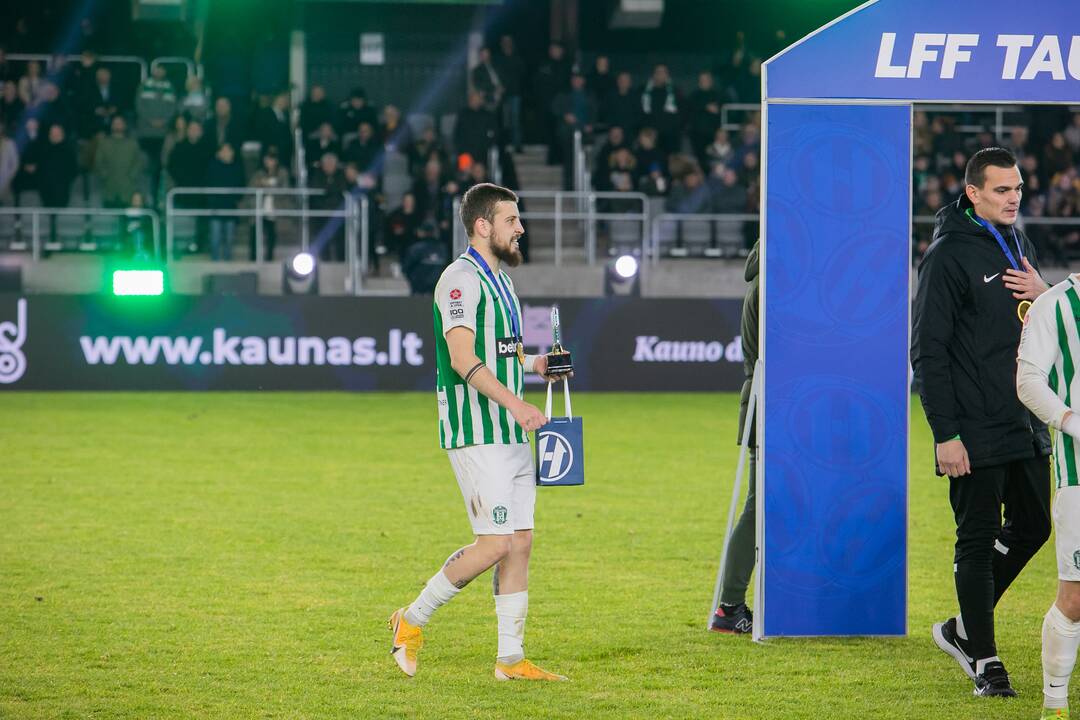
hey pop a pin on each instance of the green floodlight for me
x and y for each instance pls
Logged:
(138, 282)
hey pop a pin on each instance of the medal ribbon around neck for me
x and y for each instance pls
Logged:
(500, 287)
(1000, 240)
(1024, 305)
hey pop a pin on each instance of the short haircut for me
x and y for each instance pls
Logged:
(480, 201)
(975, 172)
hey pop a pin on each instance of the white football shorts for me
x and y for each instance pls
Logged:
(1066, 513)
(498, 484)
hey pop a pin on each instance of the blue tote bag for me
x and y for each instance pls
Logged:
(560, 446)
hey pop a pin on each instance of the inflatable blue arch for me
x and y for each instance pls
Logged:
(836, 277)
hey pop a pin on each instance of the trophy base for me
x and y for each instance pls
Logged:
(559, 363)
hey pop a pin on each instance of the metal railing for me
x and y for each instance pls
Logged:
(589, 217)
(37, 213)
(190, 65)
(727, 109)
(996, 112)
(494, 161)
(349, 214)
(580, 163)
(103, 59)
(714, 221)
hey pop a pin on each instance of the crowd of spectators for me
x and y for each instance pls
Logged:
(70, 134)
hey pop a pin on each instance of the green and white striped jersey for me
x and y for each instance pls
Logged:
(1051, 342)
(465, 297)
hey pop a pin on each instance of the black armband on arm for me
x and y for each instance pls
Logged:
(475, 369)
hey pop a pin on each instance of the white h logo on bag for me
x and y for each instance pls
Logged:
(556, 456)
(12, 337)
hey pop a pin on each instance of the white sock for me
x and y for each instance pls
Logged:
(1060, 639)
(960, 631)
(438, 591)
(981, 663)
(511, 610)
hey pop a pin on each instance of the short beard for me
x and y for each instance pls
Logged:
(507, 254)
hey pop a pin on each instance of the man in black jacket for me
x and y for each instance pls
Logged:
(732, 615)
(976, 282)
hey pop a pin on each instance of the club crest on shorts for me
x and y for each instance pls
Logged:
(1076, 559)
(498, 514)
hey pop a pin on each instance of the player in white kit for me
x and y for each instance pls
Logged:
(1046, 381)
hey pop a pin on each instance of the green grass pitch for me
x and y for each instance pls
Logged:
(237, 556)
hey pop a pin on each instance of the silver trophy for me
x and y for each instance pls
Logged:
(559, 362)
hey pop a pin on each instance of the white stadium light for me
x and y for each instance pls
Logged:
(626, 266)
(303, 264)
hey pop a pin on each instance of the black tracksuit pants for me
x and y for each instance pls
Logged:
(989, 555)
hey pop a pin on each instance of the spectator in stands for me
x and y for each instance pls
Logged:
(393, 133)
(750, 170)
(601, 82)
(137, 229)
(272, 125)
(660, 106)
(155, 106)
(11, 107)
(53, 108)
(8, 73)
(325, 140)
(269, 175)
(1057, 155)
(31, 83)
(1033, 181)
(621, 174)
(689, 193)
(100, 104)
(719, 153)
(747, 86)
(728, 197)
(1063, 200)
(434, 197)
(196, 102)
(1072, 133)
(9, 167)
(364, 147)
(82, 76)
(703, 106)
(650, 158)
(355, 111)
(223, 171)
(402, 227)
(28, 139)
(57, 168)
(486, 81)
(315, 112)
(424, 148)
(474, 132)
(424, 262)
(361, 182)
(622, 106)
(329, 235)
(223, 128)
(749, 139)
(511, 70)
(118, 165)
(576, 110)
(548, 81)
(615, 140)
(188, 162)
(477, 173)
(177, 134)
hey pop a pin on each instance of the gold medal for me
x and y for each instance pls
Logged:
(521, 352)
(1022, 309)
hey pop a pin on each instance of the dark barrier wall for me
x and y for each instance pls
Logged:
(70, 342)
